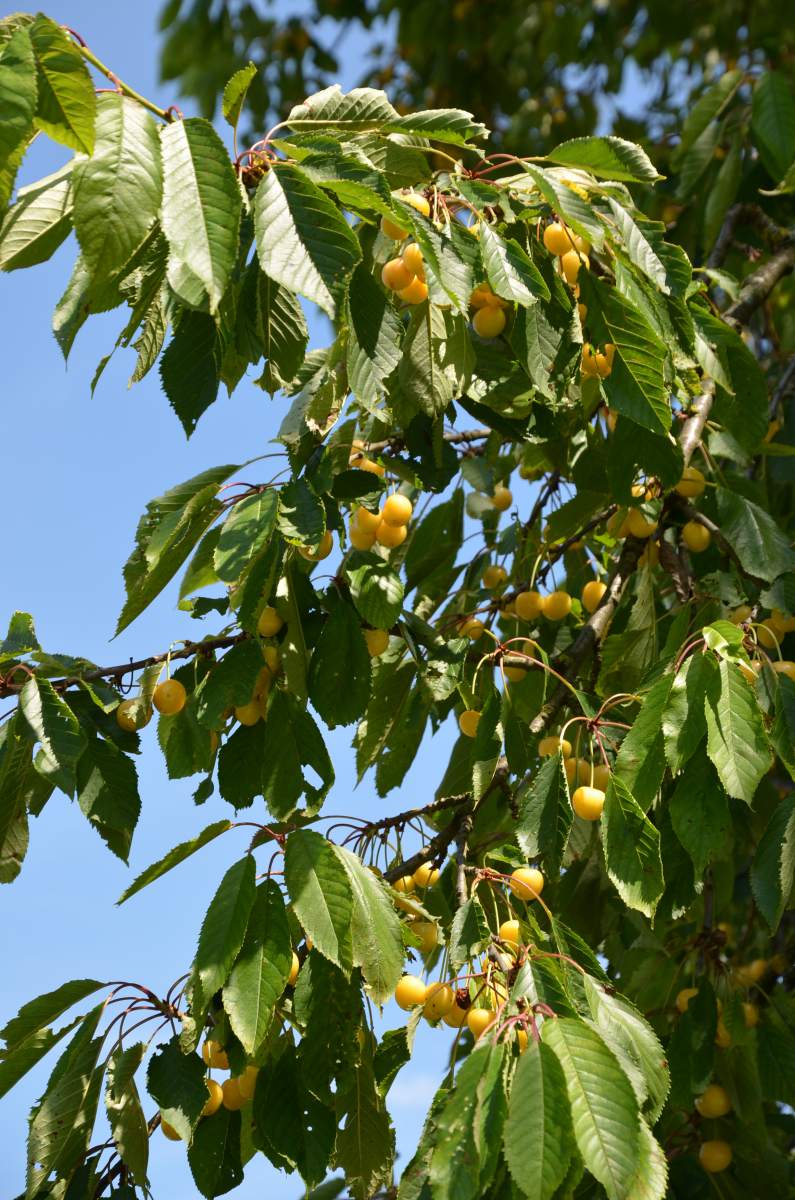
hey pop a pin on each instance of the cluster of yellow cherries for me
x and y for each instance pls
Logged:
(571, 251)
(441, 1001)
(234, 1092)
(168, 698)
(389, 527)
(405, 274)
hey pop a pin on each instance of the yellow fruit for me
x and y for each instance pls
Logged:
(269, 622)
(715, 1156)
(395, 275)
(502, 498)
(723, 1038)
(582, 312)
(247, 1082)
(695, 537)
(691, 484)
(456, 1016)
(494, 576)
(529, 605)
(576, 770)
(215, 1056)
(397, 510)
(509, 931)
(768, 634)
(468, 722)
(741, 614)
(750, 1015)
(249, 714)
(481, 297)
(362, 463)
(413, 260)
(604, 360)
(169, 1131)
(131, 717)
(233, 1098)
(786, 624)
(784, 667)
(556, 606)
(426, 932)
(601, 776)
(592, 594)
(684, 997)
(426, 875)
(558, 240)
(169, 697)
(479, 1020)
(747, 670)
(488, 322)
(588, 364)
(527, 883)
(414, 292)
(324, 548)
(391, 230)
(295, 967)
(570, 264)
(713, 1102)
(588, 803)
(473, 629)
(638, 526)
(273, 659)
(367, 521)
(521, 1040)
(551, 745)
(377, 641)
(404, 884)
(359, 539)
(417, 201)
(410, 992)
(439, 999)
(390, 535)
(215, 1098)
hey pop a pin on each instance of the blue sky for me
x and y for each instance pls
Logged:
(78, 472)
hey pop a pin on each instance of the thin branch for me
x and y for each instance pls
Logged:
(455, 438)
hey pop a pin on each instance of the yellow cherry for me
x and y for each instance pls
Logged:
(494, 576)
(592, 594)
(247, 1082)
(588, 803)
(390, 535)
(473, 629)
(713, 1102)
(479, 1020)
(509, 931)
(691, 484)
(527, 883)
(414, 292)
(169, 1131)
(684, 997)
(468, 722)
(529, 605)
(131, 716)
(750, 1015)
(269, 622)
(410, 992)
(390, 229)
(426, 875)
(169, 697)
(249, 714)
(601, 776)
(215, 1098)
(359, 539)
(488, 322)
(233, 1098)
(397, 510)
(558, 240)
(415, 200)
(551, 745)
(715, 1156)
(456, 1016)
(439, 999)
(413, 260)
(426, 932)
(502, 498)
(215, 1056)
(377, 641)
(395, 275)
(367, 521)
(295, 966)
(723, 1038)
(570, 264)
(638, 526)
(696, 537)
(322, 550)
(556, 606)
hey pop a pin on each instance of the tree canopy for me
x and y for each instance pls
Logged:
(593, 899)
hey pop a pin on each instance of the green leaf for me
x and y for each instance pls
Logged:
(176, 1082)
(638, 247)
(293, 741)
(760, 545)
(294, 1129)
(303, 241)
(235, 93)
(365, 110)
(736, 740)
(545, 815)
(67, 104)
(773, 122)
(377, 592)
(635, 1044)
(539, 1141)
(245, 533)
(61, 1124)
(632, 849)
(117, 190)
(700, 813)
(302, 517)
(635, 387)
(260, 973)
(684, 722)
(773, 868)
(189, 368)
(18, 778)
(201, 205)
(55, 727)
(214, 1154)
(374, 337)
(424, 382)
(604, 1110)
(37, 224)
(166, 534)
(389, 702)
(18, 92)
(38, 1013)
(222, 931)
(651, 1177)
(174, 858)
(640, 763)
(606, 158)
(469, 933)
(283, 332)
(15, 1064)
(125, 1115)
(366, 1143)
(469, 1127)
(706, 108)
(563, 200)
(511, 272)
(340, 669)
(107, 792)
(375, 929)
(321, 894)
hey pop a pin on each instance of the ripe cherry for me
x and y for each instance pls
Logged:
(215, 1098)
(397, 510)
(488, 322)
(551, 745)
(410, 992)
(527, 883)
(592, 594)
(414, 292)
(696, 537)
(715, 1156)
(269, 622)
(691, 484)
(713, 1102)
(377, 641)
(468, 722)
(131, 715)
(169, 697)
(494, 576)
(502, 498)
(395, 275)
(556, 606)
(529, 605)
(390, 535)
(233, 1098)
(588, 803)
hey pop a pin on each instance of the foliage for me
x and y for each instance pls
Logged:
(628, 749)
